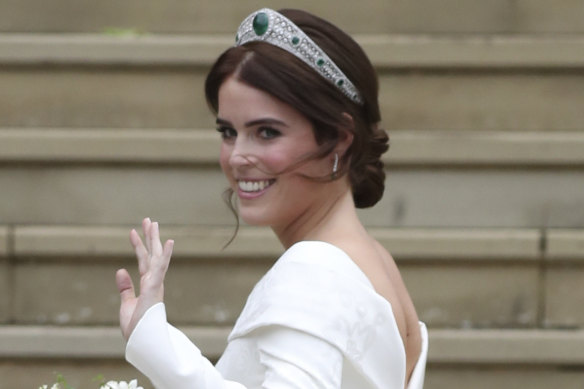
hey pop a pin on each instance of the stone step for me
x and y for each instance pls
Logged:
(80, 374)
(553, 347)
(384, 50)
(464, 278)
(417, 195)
(253, 242)
(200, 147)
(503, 83)
(424, 16)
(491, 358)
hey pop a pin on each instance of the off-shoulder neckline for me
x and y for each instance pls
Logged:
(346, 256)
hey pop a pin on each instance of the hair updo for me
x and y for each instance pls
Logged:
(287, 78)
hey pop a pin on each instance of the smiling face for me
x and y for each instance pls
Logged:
(263, 141)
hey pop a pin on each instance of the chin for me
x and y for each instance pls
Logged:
(253, 219)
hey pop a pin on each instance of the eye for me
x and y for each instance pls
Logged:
(227, 132)
(268, 133)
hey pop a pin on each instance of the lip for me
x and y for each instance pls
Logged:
(255, 194)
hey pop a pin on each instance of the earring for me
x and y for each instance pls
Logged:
(335, 166)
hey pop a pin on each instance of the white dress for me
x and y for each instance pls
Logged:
(313, 321)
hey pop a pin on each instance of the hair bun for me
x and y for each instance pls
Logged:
(368, 174)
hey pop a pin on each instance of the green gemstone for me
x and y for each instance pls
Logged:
(295, 40)
(340, 82)
(260, 23)
(237, 38)
(320, 62)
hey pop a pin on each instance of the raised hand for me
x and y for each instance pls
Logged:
(153, 260)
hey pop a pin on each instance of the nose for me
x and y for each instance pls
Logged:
(241, 154)
(237, 160)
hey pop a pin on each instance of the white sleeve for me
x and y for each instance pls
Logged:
(297, 360)
(292, 359)
(168, 358)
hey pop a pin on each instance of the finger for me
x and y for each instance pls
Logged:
(160, 266)
(146, 225)
(140, 250)
(155, 244)
(125, 285)
(167, 254)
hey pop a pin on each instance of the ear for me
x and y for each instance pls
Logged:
(346, 134)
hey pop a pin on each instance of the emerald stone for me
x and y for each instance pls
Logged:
(260, 23)
(295, 40)
(237, 38)
(340, 82)
(320, 62)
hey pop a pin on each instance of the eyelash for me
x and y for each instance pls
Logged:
(269, 133)
(226, 132)
(264, 132)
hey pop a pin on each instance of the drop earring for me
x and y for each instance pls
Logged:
(335, 166)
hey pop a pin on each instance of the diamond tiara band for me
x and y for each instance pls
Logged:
(267, 25)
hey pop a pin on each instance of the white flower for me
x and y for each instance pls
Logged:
(54, 386)
(122, 385)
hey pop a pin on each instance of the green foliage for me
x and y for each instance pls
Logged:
(99, 379)
(63, 382)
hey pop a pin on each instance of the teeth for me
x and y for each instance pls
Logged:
(253, 186)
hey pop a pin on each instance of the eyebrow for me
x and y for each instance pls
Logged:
(255, 122)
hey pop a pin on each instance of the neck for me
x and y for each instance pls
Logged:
(326, 221)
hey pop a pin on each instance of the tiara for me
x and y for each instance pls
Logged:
(267, 25)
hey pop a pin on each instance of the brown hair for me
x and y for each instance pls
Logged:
(287, 78)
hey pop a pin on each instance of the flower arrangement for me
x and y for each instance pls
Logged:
(62, 384)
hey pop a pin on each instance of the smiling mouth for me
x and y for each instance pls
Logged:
(254, 186)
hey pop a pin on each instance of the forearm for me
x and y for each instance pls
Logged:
(168, 358)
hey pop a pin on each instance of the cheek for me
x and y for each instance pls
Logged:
(287, 157)
(275, 162)
(318, 168)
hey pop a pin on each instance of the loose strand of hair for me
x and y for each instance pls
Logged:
(228, 199)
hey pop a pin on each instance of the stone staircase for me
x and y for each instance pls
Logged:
(103, 122)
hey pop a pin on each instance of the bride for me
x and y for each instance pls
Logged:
(296, 102)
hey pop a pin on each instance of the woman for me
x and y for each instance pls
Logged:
(297, 110)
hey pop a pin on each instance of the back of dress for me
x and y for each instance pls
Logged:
(316, 290)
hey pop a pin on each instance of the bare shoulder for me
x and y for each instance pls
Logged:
(378, 265)
(381, 269)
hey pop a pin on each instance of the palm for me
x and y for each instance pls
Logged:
(127, 309)
(153, 260)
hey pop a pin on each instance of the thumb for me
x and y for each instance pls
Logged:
(125, 285)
